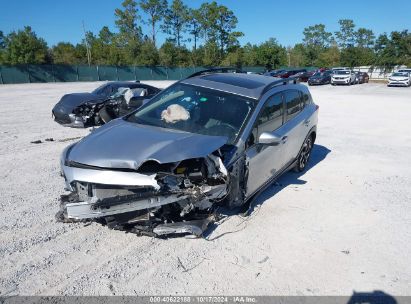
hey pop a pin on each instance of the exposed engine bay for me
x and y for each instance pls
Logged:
(119, 104)
(155, 200)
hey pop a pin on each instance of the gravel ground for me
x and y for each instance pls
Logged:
(344, 225)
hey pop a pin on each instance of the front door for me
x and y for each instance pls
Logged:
(264, 161)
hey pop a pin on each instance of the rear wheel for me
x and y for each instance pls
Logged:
(304, 155)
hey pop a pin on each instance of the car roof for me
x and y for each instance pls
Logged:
(248, 85)
(129, 84)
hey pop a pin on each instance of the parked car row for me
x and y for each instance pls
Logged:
(323, 76)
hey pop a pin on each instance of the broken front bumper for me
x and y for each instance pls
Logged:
(68, 120)
(148, 203)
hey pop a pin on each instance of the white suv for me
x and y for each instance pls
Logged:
(343, 77)
(399, 79)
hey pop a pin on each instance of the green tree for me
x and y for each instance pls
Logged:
(176, 21)
(127, 19)
(316, 41)
(346, 35)
(2, 40)
(149, 54)
(225, 24)
(364, 38)
(23, 47)
(271, 54)
(172, 55)
(64, 53)
(195, 22)
(316, 35)
(2, 46)
(357, 56)
(212, 56)
(329, 57)
(250, 54)
(297, 55)
(155, 9)
(235, 57)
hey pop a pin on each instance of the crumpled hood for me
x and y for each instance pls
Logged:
(71, 101)
(121, 144)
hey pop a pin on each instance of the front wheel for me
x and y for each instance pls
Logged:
(304, 155)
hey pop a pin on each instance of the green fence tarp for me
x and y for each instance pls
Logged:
(14, 74)
(65, 73)
(143, 73)
(107, 72)
(87, 73)
(159, 73)
(70, 73)
(41, 73)
(126, 73)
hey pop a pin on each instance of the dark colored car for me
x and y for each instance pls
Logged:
(363, 77)
(274, 73)
(320, 78)
(108, 101)
(304, 76)
(290, 73)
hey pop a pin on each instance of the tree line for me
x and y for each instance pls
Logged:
(205, 36)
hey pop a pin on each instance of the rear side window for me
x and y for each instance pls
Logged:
(293, 103)
(306, 99)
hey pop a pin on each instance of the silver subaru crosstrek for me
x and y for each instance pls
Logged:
(211, 140)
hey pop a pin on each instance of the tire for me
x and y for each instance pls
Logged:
(104, 115)
(304, 155)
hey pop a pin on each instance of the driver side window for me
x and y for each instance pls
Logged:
(270, 118)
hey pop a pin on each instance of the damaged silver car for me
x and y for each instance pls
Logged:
(214, 139)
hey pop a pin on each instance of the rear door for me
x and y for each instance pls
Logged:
(296, 124)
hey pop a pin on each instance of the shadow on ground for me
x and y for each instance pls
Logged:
(318, 154)
(375, 297)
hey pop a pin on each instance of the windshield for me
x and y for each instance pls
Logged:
(399, 74)
(342, 72)
(103, 90)
(324, 73)
(196, 110)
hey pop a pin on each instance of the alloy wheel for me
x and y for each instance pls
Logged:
(305, 153)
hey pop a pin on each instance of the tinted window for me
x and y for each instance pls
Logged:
(269, 119)
(271, 116)
(306, 99)
(293, 103)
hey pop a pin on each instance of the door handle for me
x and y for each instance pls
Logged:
(284, 139)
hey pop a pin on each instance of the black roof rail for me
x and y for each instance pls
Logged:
(280, 81)
(216, 70)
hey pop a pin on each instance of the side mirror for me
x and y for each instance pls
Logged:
(145, 101)
(267, 138)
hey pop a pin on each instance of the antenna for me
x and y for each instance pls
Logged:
(87, 45)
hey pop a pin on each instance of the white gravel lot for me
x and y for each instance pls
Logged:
(344, 225)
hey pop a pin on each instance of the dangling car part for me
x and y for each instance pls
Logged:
(206, 141)
(109, 101)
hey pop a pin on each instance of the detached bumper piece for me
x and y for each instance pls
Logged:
(178, 202)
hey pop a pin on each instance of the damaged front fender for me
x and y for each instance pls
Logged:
(178, 198)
